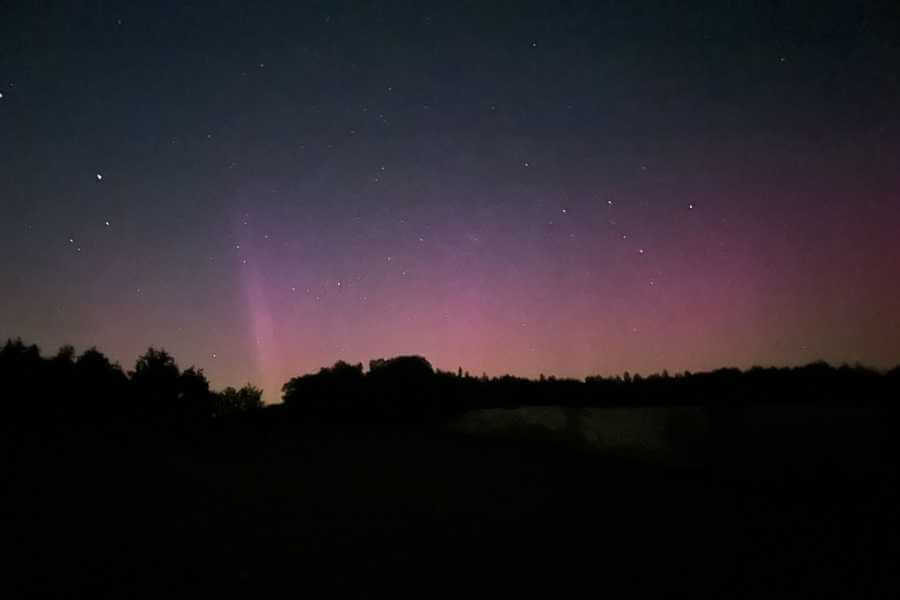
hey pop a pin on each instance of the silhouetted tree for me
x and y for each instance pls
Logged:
(63, 396)
(230, 402)
(65, 360)
(195, 401)
(403, 389)
(155, 383)
(24, 388)
(333, 392)
(100, 384)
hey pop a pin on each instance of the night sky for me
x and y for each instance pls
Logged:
(511, 187)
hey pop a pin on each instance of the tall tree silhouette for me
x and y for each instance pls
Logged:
(155, 383)
(195, 401)
(21, 369)
(100, 385)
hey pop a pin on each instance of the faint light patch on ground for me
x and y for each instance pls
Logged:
(656, 433)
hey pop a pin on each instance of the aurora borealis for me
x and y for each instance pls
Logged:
(509, 187)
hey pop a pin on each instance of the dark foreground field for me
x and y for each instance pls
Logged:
(279, 507)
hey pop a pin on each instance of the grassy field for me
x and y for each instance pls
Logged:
(364, 510)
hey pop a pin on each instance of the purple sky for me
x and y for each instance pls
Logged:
(573, 192)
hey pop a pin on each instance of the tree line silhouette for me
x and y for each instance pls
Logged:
(90, 386)
(403, 389)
